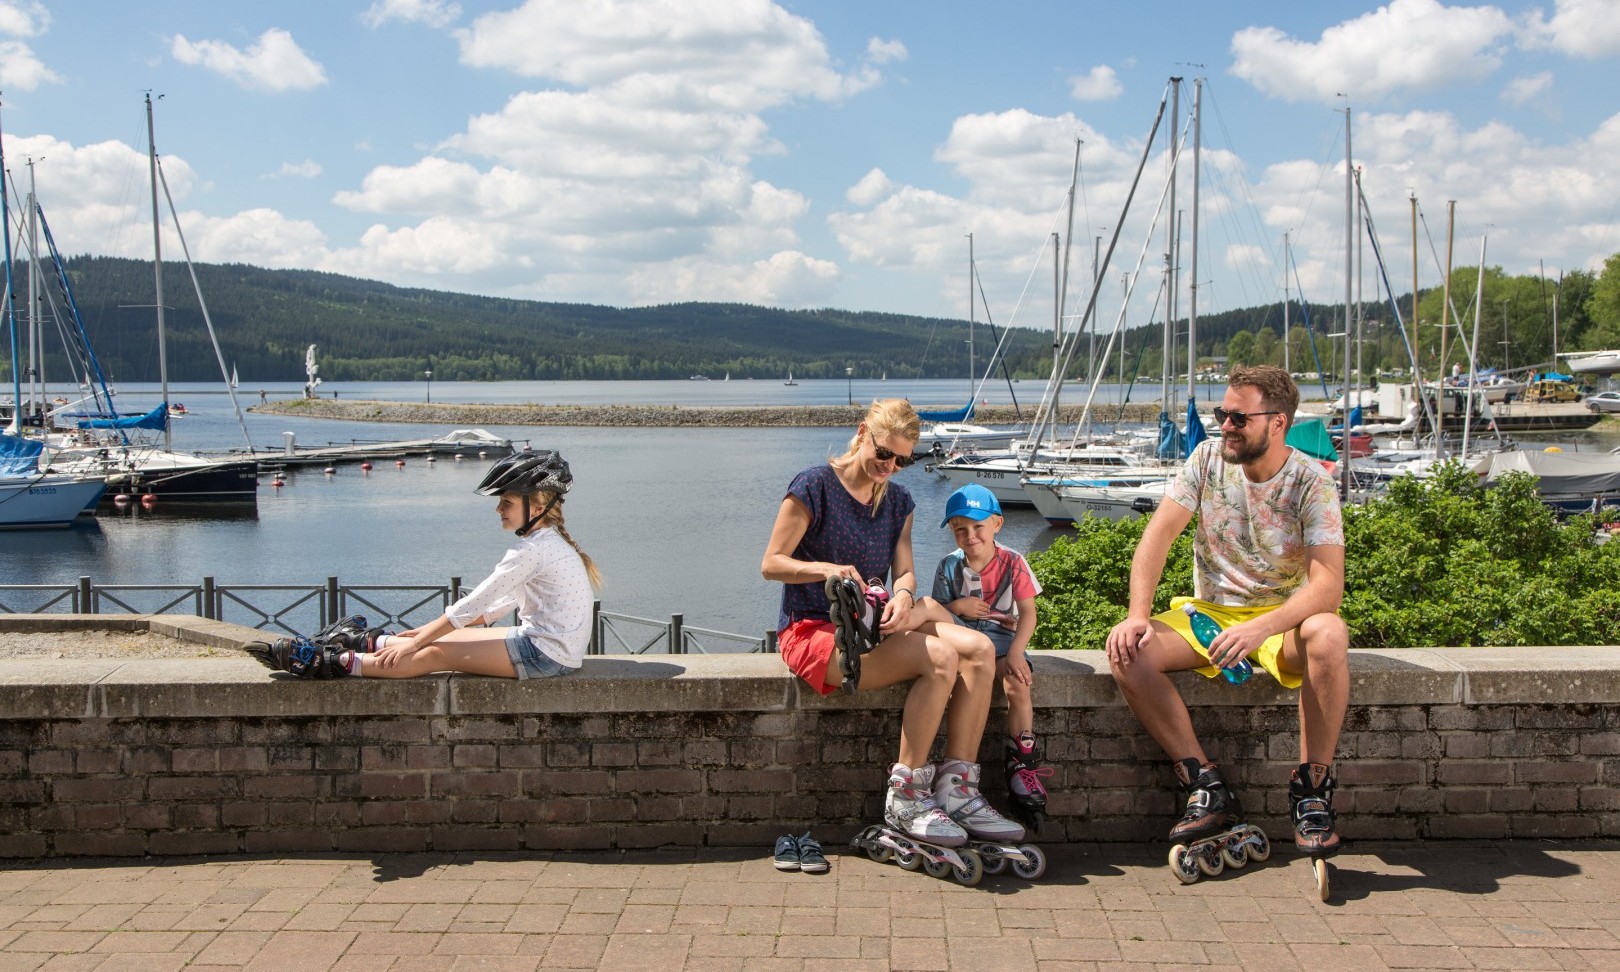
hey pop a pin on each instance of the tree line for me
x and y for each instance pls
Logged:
(371, 331)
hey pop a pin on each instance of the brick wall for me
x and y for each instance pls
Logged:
(215, 756)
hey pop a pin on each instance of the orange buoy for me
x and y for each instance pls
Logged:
(431, 459)
(399, 463)
(148, 501)
(122, 499)
(330, 470)
(365, 467)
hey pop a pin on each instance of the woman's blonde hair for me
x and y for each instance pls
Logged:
(885, 418)
(554, 519)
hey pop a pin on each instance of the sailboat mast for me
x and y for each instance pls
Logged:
(1473, 351)
(157, 271)
(36, 329)
(1349, 280)
(1170, 282)
(971, 304)
(1288, 298)
(10, 305)
(1192, 281)
(1445, 290)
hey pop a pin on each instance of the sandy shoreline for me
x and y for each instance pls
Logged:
(652, 416)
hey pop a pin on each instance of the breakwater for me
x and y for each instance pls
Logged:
(654, 416)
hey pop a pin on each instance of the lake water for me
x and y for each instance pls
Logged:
(677, 519)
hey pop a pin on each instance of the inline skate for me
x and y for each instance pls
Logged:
(996, 839)
(1025, 776)
(1211, 834)
(1310, 794)
(916, 833)
(855, 611)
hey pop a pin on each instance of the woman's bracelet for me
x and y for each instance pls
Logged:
(908, 591)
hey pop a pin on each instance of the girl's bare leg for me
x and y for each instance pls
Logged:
(476, 651)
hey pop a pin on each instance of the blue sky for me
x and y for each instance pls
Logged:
(813, 154)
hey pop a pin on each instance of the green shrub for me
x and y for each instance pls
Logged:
(1436, 561)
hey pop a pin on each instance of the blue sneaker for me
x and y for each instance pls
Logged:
(811, 860)
(787, 853)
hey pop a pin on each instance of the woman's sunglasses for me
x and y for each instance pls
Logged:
(884, 455)
(1238, 419)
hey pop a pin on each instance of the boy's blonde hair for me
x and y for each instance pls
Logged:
(884, 418)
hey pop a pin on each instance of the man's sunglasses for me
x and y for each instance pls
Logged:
(1238, 419)
(884, 455)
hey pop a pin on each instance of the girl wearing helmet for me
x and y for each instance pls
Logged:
(842, 529)
(545, 576)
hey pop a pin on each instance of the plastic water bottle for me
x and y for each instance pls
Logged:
(1205, 629)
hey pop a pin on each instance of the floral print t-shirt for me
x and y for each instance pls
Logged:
(1249, 545)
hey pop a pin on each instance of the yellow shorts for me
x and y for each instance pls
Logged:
(1267, 656)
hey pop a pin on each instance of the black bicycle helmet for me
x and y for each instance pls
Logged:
(529, 471)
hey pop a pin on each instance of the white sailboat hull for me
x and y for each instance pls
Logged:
(1593, 362)
(942, 437)
(43, 502)
(1062, 505)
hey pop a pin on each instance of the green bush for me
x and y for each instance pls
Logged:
(1431, 562)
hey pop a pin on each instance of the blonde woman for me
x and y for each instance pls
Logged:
(843, 529)
(545, 576)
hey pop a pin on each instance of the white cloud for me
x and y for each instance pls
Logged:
(23, 18)
(886, 51)
(872, 187)
(433, 13)
(746, 55)
(274, 62)
(1521, 90)
(307, 169)
(1580, 28)
(1403, 46)
(20, 68)
(1098, 84)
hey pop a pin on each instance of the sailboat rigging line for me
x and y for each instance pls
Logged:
(1462, 334)
(1001, 340)
(1071, 340)
(203, 304)
(1394, 306)
(81, 340)
(1260, 239)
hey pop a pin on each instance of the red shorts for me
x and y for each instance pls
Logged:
(807, 647)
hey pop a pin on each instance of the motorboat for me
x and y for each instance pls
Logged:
(472, 441)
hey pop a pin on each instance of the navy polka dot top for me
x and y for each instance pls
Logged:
(842, 531)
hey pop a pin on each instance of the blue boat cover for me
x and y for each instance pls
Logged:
(19, 456)
(1169, 438)
(1196, 432)
(953, 415)
(1310, 436)
(157, 420)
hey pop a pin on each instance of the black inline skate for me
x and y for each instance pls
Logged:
(1310, 794)
(348, 634)
(301, 658)
(1211, 834)
(855, 610)
(1025, 781)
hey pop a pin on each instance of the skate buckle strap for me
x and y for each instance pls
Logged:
(1313, 815)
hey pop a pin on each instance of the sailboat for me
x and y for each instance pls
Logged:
(142, 468)
(234, 381)
(790, 380)
(30, 496)
(950, 429)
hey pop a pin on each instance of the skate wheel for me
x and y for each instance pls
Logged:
(1257, 845)
(994, 863)
(936, 868)
(879, 853)
(1324, 877)
(909, 861)
(1034, 867)
(973, 871)
(1233, 854)
(1182, 864)
(1209, 859)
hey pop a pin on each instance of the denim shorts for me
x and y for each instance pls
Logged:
(529, 661)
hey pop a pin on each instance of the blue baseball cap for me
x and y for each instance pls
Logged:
(972, 501)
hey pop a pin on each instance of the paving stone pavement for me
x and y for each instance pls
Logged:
(1498, 905)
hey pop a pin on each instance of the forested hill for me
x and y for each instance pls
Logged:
(369, 331)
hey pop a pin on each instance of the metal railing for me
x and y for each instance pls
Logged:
(305, 608)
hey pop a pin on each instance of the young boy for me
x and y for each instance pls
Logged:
(991, 588)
